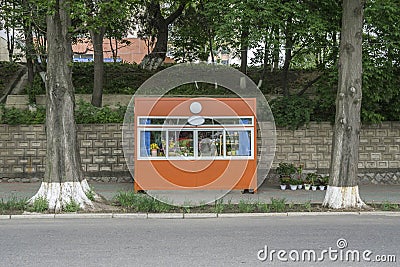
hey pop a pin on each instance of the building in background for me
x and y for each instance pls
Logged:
(132, 50)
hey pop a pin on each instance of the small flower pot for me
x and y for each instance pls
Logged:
(322, 187)
(293, 187)
(154, 152)
(283, 186)
(307, 186)
(299, 186)
(314, 187)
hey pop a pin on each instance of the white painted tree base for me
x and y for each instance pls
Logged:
(60, 194)
(343, 197)
(86, 188)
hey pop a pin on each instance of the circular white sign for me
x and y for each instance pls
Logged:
(195, 107)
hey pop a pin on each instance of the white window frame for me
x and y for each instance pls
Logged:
(196, 130)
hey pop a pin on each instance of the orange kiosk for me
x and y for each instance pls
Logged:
(195, 143)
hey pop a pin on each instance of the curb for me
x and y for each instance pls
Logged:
(189, 215)
(84, 215)
(200, 215)
(165, 216)
(32, 216)
(130, 215)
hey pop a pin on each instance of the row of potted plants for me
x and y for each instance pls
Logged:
(291, 176)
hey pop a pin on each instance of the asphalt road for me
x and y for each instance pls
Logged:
(195, 242)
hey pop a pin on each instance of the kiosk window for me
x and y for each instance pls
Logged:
(180, 143)
(238, 143)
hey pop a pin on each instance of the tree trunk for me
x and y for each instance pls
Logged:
(154, 60)
(343, 191)
(210, 44)
(62, 182)
(265, 62)
(286, 65)
(10, 43)
(275, 55)
(97, 39)
(244, 49)
(29, 46)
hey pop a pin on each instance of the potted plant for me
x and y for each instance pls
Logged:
(285, 171)
(284, 182)
(312, 179)
(154, 148)
(300, 179)
(293, 183)
(323, 182)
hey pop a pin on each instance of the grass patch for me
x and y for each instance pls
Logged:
(90, 194)
(39, 205)
(388, 206)
(12, 205)
(142, 203)
(278, 204)
(72, 206)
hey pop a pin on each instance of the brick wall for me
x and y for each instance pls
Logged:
(23, 149)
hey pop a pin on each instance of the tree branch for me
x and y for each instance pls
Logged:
(176, 14)
(309, 84)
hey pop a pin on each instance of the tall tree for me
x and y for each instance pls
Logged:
(101, 18)
(156, 23)
(63, 179)
(343, 191)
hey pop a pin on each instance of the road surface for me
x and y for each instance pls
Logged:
(197, 242)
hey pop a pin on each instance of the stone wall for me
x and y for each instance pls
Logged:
(23, 150)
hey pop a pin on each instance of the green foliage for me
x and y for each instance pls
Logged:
(312, 178)
(8, 69)
(119, 78)
(388, 206)
(71, 206)
(84, 113)
(141, 202)
(307, 206)
(87, 113)
(263, 207)
(40, 204)
(278, 204)
(286, 169)
(246, 206)
(292, 112)
(90, 194)
(13, 204)
(38, 88)
(14, 116)
(219, 206)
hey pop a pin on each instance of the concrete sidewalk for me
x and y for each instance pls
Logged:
(369, 193)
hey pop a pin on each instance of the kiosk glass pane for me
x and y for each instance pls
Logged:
(180, 143)
(238, 143)
(210, 143)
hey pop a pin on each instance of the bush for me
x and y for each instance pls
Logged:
(84, 113)
(14, 116)
(292, 112)
(87, 113)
